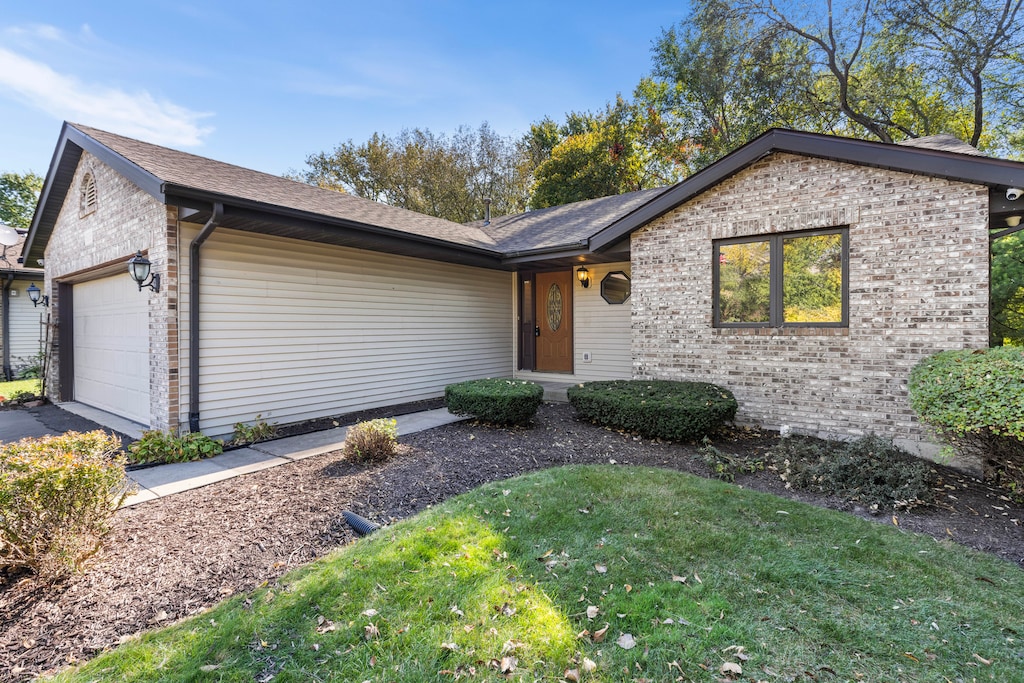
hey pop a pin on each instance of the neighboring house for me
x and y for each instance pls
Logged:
(308, 303)
(21, 323)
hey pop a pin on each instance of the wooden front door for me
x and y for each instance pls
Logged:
(553, 309)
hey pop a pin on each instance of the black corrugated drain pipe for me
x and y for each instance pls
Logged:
(193, 314)
(361, 525)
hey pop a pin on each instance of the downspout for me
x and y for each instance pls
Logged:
(6, 303)
(193, 314)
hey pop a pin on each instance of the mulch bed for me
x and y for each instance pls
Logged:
(178, 556)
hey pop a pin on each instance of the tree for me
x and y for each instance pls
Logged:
(1007, 290)
(19, 193)
(428, 173)
(626, 147)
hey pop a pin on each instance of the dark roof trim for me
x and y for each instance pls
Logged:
(70, 145)
(257, 211)
(968, 168)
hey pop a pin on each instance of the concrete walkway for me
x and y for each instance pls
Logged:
(164, 480)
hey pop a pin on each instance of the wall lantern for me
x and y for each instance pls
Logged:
(584, 276)
(1013, 221)
(139, 268)
(34, 296)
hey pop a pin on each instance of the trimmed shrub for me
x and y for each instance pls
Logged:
(499, 401)
(371, 441)
(871, 470)
(975, 401)
(159, 447)
(661, 409)
(57, 495)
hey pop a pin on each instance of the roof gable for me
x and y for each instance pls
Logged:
(933, 158)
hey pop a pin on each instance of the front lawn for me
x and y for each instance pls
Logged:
(9, 389)
(639, 573)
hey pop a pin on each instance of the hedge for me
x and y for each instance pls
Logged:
(662, 409)
(975, 401)
(500, 401)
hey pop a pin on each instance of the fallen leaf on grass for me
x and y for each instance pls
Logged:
(600, 568)
(370, 631)
(599, 634)
(589, 665)
(207, 668)
(451, 647)
(572, 675)
(679, 579)
(626, 641)
(592, 612)
(507, 665)
(986, 662)
(369, 613)
(731, 669)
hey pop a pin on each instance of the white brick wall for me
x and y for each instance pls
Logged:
(918, 284)
(100, 243)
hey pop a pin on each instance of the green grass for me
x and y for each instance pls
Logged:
(784, 590)
(8, 389)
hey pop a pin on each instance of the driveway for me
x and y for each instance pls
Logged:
(47, 419)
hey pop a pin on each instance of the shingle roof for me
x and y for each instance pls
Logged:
(184, 171)
(569, 224)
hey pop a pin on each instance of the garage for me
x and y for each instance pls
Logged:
(111, 347)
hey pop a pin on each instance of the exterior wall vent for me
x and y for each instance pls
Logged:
(87, 199)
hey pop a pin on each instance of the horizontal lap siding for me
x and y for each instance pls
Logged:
(297, 330)
(602, 329)
(25, 328)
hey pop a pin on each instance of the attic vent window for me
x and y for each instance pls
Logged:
(87, 201)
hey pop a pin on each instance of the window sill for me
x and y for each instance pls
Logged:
(781, 331)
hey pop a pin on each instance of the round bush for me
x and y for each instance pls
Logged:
(501, 401)
(662, 409)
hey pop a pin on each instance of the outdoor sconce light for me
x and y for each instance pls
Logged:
(584, 276)
(1013, 221)
(139, 268)
(33, 296)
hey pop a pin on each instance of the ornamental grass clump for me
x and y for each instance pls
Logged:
(371, 441)
(498, 401)
(657, 409)
(975, 401)
(57, 496)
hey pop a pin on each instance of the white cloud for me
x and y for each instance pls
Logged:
(137, 114)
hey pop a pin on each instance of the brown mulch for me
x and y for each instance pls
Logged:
(177, 556)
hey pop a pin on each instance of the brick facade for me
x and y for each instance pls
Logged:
(98, 243)
(918, 283)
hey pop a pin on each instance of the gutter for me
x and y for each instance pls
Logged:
(6, 303)
(193, 314)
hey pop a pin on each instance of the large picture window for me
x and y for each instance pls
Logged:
(778, 280)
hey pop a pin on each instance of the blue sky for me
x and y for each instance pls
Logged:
(263, 84)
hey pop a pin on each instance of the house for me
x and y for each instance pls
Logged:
(22, 324)
(293, 302)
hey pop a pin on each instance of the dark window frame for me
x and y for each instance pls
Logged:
(629, 288)
(776, 277)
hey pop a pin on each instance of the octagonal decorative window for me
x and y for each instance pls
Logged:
(615, 287)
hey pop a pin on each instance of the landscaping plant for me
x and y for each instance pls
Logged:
(57, 495)
(870, 470)
(156, 446)
(498, 401)
(371, 441)
(661, 409)
(259, 430)
(975, 401)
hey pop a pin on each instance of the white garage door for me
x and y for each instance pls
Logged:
(112, 347)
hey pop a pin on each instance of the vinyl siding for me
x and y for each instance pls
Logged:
(296, 330)
(599, 328)
(25, 329)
